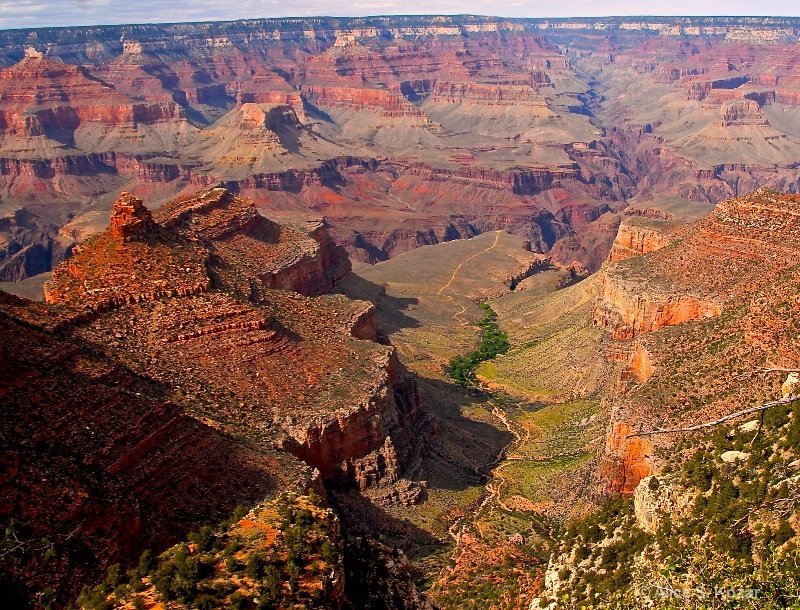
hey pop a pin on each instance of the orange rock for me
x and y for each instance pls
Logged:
(629, 309)
(625, 462)
(635, 240)
(130, 220)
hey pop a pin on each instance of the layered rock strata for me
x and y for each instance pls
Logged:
(175, 317)
(728, 274)
(635, 239)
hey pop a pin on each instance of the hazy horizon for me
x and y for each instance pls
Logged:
(66, 13)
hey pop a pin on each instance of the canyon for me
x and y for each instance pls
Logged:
(381, 125)
(261, 243)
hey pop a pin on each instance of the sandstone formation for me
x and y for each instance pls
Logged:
(192, 325)
(635, 240)
(625, 460)
(691, 280)
(741, 112)
(727, 274)
(628, 309)
(130, 220)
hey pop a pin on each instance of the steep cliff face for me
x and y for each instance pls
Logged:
(181, 310)
(372, 445)
(691, 280)
(727, 273)
(640, 364)
(627, 309)
(625, 461)
(635, 240)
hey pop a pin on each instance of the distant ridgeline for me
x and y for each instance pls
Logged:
(76, 42)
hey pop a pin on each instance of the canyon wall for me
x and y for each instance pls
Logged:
(191, 374)
(397, 144)
(627, 309)
(726, 273)
(635, 240)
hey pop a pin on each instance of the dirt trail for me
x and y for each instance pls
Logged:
(400, 201)
(455, 272)
(466, 260)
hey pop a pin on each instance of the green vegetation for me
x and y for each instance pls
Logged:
(733, 532)
(493, 342)
(18, 545)
(274, 557)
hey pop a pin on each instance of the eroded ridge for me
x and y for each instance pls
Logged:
(170, 313)
(728, 273)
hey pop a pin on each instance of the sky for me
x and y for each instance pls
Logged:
(38, 13)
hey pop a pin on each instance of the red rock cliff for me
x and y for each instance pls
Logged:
(635, 240)
(628, 309)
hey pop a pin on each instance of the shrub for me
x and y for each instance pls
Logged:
(238, 601)
(205, 539)
(493, 342)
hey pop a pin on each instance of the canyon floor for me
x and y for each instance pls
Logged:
(506, 463)
(518, 454)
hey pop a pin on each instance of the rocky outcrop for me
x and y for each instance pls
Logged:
(181, 301)
(336, 266)
(625, 461)
(656, 497)
(635, 240)
(688, 281)
(363, 322)
(364, 436)
(132, 262)
(370, 445)
(648, 213)
(628, 309)
(130, 220)
(281, 257)
(741, 112)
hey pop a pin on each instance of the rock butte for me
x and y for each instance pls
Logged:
(219, 377)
